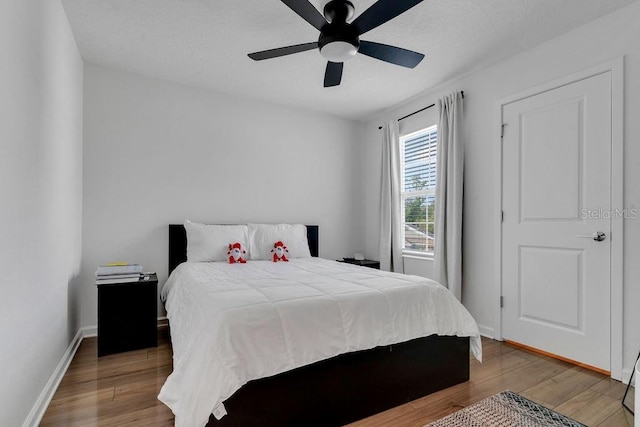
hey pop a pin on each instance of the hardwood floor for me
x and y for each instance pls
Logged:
(122, 389)
(116, 390)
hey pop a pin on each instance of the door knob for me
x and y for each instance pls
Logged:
(598, 236)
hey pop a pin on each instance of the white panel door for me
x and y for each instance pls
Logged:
(556, 195)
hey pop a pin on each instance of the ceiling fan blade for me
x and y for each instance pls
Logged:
(381, 12)
(333, 75)
(282, 51)
(391, 54)
(307, 12)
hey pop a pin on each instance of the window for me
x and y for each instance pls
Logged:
(418, 162)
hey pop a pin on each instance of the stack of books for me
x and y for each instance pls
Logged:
(118, 272)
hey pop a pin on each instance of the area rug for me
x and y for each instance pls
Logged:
(505, 409)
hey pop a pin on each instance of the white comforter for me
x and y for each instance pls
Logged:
(232, 323)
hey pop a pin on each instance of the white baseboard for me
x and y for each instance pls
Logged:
(486, 331)
(92, 331)
(41, 405)
(626, 376)
(89, 331)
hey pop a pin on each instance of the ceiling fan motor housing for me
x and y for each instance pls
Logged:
(338, 40)
(339, 10)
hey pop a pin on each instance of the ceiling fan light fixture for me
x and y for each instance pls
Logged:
(338, 41)
(338, 51)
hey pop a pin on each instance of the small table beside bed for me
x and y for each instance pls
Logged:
(304, 342)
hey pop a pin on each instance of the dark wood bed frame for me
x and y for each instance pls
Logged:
(345, 388)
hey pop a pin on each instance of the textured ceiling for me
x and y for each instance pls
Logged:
(204, 43)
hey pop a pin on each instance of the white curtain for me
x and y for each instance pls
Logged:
(390, 243)
(447, 263)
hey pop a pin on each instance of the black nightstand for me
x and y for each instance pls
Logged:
(363, 262)
(127, 316)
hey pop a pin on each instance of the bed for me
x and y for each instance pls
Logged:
(278, 383)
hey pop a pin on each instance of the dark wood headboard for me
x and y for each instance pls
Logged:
(178, 244)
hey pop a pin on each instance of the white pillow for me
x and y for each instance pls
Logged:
(262, 237)
(211, 242)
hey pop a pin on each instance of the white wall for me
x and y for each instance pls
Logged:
(610, 37)
(157, 153)
(40, 197)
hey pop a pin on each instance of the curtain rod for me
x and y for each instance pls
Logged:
(419, 111)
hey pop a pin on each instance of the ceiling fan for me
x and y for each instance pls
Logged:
(340, 39)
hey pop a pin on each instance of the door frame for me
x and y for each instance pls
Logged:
(616, 67)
